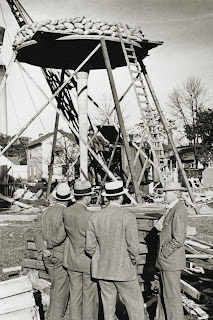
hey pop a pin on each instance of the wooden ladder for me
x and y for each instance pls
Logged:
(148, 117)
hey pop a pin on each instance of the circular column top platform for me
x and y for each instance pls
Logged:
(55, 50)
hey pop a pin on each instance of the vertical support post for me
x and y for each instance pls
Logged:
(82, 91)
(52, 154)
(3, 97)
(3, 102)
(120, 119)
(143, 68)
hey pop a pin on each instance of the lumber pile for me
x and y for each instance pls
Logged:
(77, 26)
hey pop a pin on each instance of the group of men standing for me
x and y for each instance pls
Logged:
(87, 253)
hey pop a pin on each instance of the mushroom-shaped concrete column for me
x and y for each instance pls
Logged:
(82, 91)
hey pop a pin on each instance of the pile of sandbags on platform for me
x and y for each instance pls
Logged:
(78, 26)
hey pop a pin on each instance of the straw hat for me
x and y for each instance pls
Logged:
(83, 188)
(114, 188)
(62, 193)
(172, 186)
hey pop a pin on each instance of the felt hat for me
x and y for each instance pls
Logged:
(83, 188)
(172, 186)
(62, 192)
(114, 188)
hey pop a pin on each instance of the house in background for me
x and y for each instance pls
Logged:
(39, 155)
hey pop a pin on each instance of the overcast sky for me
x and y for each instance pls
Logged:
(185, 27)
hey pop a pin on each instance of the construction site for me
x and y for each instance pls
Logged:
(95, 146)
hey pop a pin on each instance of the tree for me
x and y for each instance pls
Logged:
(17, 149)
(204, 131)
(105, 112)
(185, 103)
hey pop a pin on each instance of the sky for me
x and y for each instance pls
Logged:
(184, 26)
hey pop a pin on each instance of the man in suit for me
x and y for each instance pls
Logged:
(83, 291)
(112, 242)
(171, 254)
(50, 238)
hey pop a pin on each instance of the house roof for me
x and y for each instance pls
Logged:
(14, 160)
(43, 138)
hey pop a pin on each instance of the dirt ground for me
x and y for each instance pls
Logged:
(13, 242)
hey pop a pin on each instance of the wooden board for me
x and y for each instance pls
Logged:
(23, 314)
(14, 286)
(192, 292)
(33, 264)
(12, 201)
(142, 259)
(41, 274)
(145, 224)
(34, 255)
(31, 246)
(17, 302)
(142, 235)
(143, 248)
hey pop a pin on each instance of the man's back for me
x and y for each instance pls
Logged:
(48, 225)
(76, 220)
(117, 245)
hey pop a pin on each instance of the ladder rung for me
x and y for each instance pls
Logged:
(138, 86)
(135, 71)
(158, 149)
(141, 94)
(133, 56)
(130, 49)
(137, 79)
(133, 64)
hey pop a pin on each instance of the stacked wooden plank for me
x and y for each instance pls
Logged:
(145, 215)
(33, 260)
(77, 26)
(17, 300)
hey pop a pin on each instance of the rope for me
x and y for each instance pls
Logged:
(32, 99)
(13, 106)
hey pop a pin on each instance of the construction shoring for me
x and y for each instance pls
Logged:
(135, 161)
(120, 119)
(100, 161)
(54, 139)
(49, 99)
(163, 120)
(92, 101)
(22, 18)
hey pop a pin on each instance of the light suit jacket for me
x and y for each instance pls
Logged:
(171, 253)
(50, 228)
(112, 241)
(76, 220)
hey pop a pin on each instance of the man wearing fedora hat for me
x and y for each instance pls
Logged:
(171, 254)
(50, 238)
(83, 291)
(112, 242)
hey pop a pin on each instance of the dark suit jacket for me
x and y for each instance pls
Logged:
(112, 241)
(171, 254)
(76, 220)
